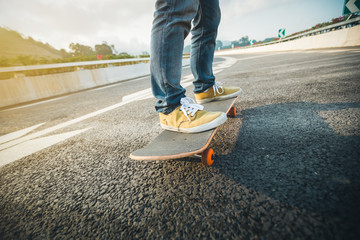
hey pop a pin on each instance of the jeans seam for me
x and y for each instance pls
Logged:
(201, 41)
(162, 62)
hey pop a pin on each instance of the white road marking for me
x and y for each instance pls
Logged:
(15, 146)
(17, 134)
(329, 50)
(332, 51)
(26, 148)
(115, 84)
(33, 104)
(101, 88)
(61, 125)
(229, 61)
(140, 95)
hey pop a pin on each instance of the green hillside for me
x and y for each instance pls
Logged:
(12, 45)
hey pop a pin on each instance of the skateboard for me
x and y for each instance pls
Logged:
(172, 145)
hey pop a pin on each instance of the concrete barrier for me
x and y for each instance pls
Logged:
(340, 38)
(24, 89)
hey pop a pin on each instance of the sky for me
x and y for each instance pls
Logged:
(127, 23)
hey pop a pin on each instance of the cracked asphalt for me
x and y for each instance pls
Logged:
(287, 167)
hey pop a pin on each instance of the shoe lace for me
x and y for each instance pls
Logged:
(218, 88)
(189, 107)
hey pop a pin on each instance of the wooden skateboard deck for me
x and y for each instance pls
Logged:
(171, 145)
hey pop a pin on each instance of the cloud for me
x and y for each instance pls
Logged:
(127, 23)
(254, 18)
(240, 8)
(119, 22)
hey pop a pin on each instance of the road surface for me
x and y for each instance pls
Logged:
(287, 167)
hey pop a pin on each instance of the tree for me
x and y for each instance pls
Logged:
(114, 51)
(4, 62)
(26, 60)
(81, 50)
(235, 44)
(124, 55)
(244, 41)
(64, 54)
(104, 49)
(144, 54)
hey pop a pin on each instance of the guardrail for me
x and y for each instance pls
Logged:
(73, 64)
(336, 26)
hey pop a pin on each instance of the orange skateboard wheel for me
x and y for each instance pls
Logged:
(207, 157)
(232, 112)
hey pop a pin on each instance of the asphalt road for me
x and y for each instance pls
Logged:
(287, 167)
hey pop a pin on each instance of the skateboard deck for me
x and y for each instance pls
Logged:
(172, 145)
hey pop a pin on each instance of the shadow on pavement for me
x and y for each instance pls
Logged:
(289, 153)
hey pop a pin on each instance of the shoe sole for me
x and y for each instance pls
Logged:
(202, 128)
(219, 98)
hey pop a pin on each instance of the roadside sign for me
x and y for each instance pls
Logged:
(351, 6)
(281, 33)
(252, 42)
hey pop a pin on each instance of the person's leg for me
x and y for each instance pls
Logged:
(203, 43)
(204, 34)
(171, 25)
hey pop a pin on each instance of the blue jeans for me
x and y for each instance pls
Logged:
(171, 25)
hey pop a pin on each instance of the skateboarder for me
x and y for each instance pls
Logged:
(171, 25)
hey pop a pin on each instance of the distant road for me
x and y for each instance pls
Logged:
(287, 167)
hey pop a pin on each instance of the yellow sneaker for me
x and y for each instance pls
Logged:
(191, 118)
(217, 93)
